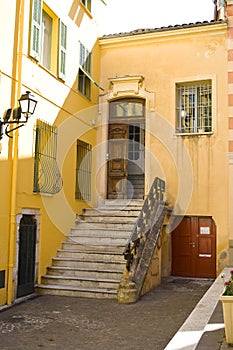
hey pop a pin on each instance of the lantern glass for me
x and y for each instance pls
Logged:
(31, 106)
(27, 103)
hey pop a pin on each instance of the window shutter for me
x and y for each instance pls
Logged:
(82, 55)
(36, 21)
(85, 58)
(88, 62)
(62, 50)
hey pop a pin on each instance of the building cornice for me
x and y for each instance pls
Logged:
(161, 34)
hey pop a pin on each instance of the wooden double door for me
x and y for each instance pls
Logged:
(126, 160)
(194, 247)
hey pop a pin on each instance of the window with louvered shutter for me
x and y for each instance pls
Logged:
(36, 22)
(62, 50)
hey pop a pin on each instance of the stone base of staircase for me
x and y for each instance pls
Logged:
(80, 292)
(91, 262)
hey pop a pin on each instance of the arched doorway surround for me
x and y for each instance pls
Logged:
(126, 149)
(130, 126)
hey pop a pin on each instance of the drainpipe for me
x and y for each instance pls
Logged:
(13, 143)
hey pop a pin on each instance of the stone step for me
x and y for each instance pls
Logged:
(135, 180)
(137, 190)
(94, 255)
(76, 291)
(122, 203)
(105, 219)
(137, 193)
(136, 176)
(100, 231)
(106, 248)
(84, 272)
(84, 282)
(114, 207)
(90, 239)
(93, 264)
(138, 186)
(108, 211)
(105, 224)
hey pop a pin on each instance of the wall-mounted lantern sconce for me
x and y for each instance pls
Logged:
(19, 116)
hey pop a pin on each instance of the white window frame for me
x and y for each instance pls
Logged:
(36, 38)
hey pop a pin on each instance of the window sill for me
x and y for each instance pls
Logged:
(50, 72)
(43, 194)
(209, 133)
(84, 96)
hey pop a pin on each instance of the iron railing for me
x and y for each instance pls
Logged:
(147, 219)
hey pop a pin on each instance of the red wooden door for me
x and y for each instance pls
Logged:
(194, 247)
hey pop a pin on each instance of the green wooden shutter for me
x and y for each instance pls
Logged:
(62, 50)
(85, 58)
(36, 21)
(82, 55)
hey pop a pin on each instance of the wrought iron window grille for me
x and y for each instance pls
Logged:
(47, 177)
(83, 171)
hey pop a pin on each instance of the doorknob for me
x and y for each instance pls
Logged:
(192, 243)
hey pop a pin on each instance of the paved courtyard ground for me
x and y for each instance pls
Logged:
(62, 323)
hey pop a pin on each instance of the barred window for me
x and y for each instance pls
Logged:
(47, 177)
(83, 171)
(194, 107)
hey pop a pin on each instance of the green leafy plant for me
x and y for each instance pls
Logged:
(229, 286)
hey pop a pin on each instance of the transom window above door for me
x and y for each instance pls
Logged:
(127, 108)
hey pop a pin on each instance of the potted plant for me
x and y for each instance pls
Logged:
(227, 305)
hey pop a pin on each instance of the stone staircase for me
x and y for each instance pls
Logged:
(136, 188)
(91, 262)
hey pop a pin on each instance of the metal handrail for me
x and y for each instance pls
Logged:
(145, 219)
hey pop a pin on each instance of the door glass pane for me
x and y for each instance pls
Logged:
(134, 139)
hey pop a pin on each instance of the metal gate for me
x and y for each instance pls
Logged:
(26, 258)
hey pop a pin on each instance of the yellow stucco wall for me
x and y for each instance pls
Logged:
(195, 167)
(59, 104)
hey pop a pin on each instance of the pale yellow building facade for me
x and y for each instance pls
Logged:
(161, 94)
(157, 66)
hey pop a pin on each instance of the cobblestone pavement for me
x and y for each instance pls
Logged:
(51, 322)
